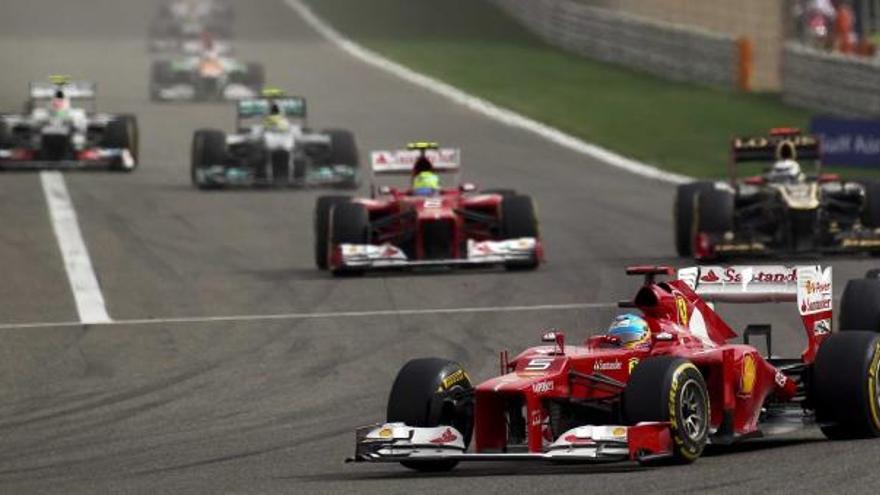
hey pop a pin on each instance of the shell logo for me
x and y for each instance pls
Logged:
(682, 307)
(749, 372)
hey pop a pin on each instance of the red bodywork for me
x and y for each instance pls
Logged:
(739, 380)
(444, 222)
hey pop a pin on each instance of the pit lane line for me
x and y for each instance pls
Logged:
(83, 282)
(308, 316)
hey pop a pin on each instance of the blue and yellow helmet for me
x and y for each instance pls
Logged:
(631, 330)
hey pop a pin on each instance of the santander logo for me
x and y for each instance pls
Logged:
(710, 276)
(446, 437)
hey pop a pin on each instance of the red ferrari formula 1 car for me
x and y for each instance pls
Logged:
(408, 226)
(665, 398)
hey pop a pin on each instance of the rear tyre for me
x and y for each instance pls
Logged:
(504, 193)
(860, 305)
(122, 133)
(683, 215)
(518, 220)
(160, 76)
(432, 392)
(671, 389)
(846, 389)
(208, 149)
(6, 141)
(349, 224)
(871, 206)
(344, 151)
(323, 207)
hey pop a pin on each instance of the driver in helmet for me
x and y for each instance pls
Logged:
(425, 181)
(630, 331)
(59, 106)
(786, 168)
(276, 121)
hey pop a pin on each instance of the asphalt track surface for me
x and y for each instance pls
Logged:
(269, 405)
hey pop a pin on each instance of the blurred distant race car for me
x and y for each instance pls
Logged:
(783, 211)
(181, 21)
(53, 133)
(273, 146)
(407, 227)
(205, 77)
(656, 387)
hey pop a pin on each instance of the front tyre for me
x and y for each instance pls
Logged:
(846, 389)
(671, 389)
(122, 133)
(323, 207)
(683, 215)
(518, 220)
(432, 392)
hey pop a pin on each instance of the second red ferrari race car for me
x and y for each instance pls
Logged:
(421, 223)
(658, 386)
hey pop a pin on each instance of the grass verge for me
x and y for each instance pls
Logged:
(474, 46)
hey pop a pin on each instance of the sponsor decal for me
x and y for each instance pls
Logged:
(539, 364)
(572, 438)
(453, 378)
(780, 379)
(447, 437)
(814, 291)
(542, 387)
(618, 432)
(386, 433)
(607, 366)
(682, 306)
(749, 372)
(633, 362)
(710, 277)
(822, 327)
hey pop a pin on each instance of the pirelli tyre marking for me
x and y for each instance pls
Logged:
(688, 411)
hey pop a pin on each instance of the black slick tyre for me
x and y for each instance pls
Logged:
(432, 392)
(349, 224)
(208, 149)
(845, 386)
(871, 207)
(671, 389)
(518, 220)
(321, 220)
(683, 215)
(860, 305)
(122, 133)
(344, 151)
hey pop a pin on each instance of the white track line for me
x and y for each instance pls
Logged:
(316, 316)
(83, 282)
(494, 112)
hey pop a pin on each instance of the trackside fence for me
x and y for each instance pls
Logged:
(670, 51)
(831, 83)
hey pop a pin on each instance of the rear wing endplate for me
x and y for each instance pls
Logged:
(444, 160)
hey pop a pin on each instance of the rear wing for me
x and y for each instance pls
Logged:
(290, 106)
(400, 162)
(773, 147)
(810, 286)
(75, 90)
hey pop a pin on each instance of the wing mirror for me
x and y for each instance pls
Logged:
(386, 190)
(468, 187)
(557, 337)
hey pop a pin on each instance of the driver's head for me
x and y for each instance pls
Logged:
(630, 330)
(785, 171)
(59, 101)
(426, 183)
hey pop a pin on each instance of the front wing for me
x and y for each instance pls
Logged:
(396, 442)
(102, 158)
(731, 246)
(189, 92)
(367, 256)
